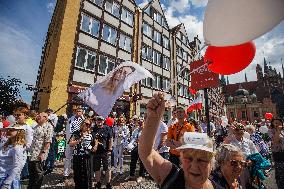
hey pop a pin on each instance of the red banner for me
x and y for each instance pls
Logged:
(202, 77)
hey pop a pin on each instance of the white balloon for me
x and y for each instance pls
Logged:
(234, 22)
(91, 113)
(246, 135)
(263, 129)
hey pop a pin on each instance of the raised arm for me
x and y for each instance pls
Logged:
(155, 164)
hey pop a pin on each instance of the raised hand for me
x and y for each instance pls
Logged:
(156, 106)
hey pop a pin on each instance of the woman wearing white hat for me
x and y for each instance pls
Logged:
(196, 154)
(12, 158)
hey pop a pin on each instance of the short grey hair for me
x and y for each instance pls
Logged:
(250, 127)
(224, 154)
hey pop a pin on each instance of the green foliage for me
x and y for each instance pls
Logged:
(9, 93)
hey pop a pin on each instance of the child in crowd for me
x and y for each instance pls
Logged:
(61, 143)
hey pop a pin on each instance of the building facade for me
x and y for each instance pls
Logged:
(251, 100)
(87, 39)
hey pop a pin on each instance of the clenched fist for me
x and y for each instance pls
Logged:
(156, 106)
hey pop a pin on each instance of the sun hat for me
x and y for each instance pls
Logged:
(13, 127)
(198, 141)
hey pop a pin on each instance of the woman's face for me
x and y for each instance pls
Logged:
(121, 120)
(196, 166)
(11, 133)
(233, 167)
(87, 125)
(20, 117)
(121, 74)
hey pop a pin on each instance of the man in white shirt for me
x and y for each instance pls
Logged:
(73, 125)
(173, 120)
(160, 141)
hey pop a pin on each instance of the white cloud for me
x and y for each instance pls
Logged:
(143, 3)
(18, 55)
(179, 5)
(50, 7)
(193, 26)
(199, 3)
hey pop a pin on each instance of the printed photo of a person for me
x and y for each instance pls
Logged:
(103, 94)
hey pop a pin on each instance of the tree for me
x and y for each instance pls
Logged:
(9, 93)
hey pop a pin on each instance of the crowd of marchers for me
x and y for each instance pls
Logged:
(176, 153)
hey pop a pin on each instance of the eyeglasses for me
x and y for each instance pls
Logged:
(17, 115)
(239, 129)
(236, 163)
(87, 124)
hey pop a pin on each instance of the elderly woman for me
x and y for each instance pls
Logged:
(229, 166)
(256, 138)
(196, 155)
(277, 148)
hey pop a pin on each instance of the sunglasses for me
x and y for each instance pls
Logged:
(87, 124)
(236, 163)
(239, 129)
(17, 115)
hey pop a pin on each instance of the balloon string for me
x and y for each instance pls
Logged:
(175, 79)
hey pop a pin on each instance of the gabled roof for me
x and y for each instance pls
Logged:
(156, 4)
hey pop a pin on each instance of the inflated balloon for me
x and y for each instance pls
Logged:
(231, 59)
(91, 113)
(268, 116)
(231, 22)
(109, 121)
(263, 129)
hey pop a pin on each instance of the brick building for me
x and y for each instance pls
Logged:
(251, 100)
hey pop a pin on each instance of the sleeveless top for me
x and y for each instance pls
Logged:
(175, 180)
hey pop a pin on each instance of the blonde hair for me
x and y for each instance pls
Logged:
(83, 124)
(18, 139)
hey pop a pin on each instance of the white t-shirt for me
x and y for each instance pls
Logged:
(163, 128)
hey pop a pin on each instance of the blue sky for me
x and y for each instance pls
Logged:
(24, 24)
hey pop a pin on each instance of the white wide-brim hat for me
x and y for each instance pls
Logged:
(197, 141)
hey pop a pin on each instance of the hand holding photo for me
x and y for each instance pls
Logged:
(103, 94)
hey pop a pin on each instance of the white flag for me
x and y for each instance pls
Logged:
(103, 94)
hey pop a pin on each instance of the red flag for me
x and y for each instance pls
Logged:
(192, 91)
(195, 105)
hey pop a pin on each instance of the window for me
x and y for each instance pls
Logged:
(109, 34)
(85, 25)
(186, 74)
(166, 63)
(179, 51)
(85, 59)
(244, 114)
(166, 83)
(255, 114)
(127, 16)
(112, 8)
(146, 82)
(90, 25)
(156, 58)
(98, 2)
(106, 65)
(179, 35)
(125, 42)
(180, 90)
(166, 42)
(148, 10)
(81, 57)
(147, 53)
(178, 68)
(185, 91)
(158, 17)
(184, 55)
(184, 39)
(147, 30)
(157, 37)
(157, 82)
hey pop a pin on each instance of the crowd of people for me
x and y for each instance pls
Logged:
(176, 153)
